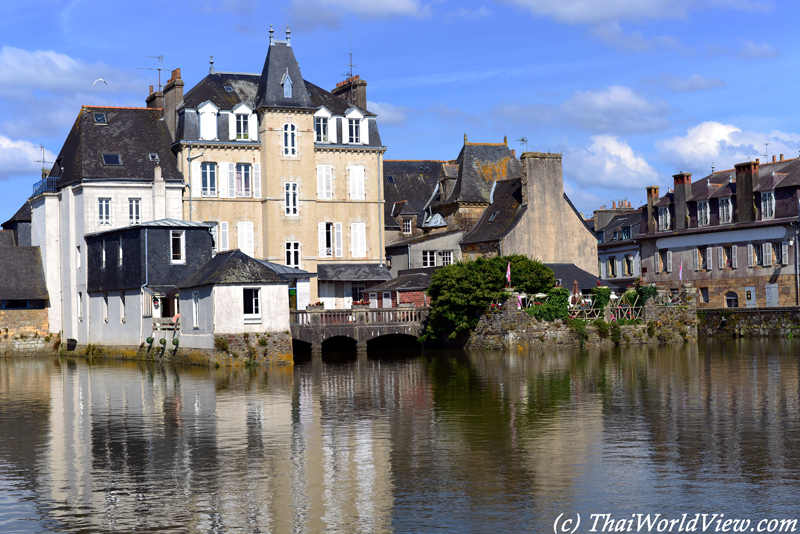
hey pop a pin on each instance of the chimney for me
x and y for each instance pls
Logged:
(781, 157)
(746, 177)
(157, 173)
(353, 90)
(155, 99)
(773, 159)
(652, 199)
(683, 192)
(173, 98)
(614, 205)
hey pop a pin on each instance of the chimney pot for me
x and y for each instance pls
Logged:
(773, 159)
(614, 205)
(758, 161)
(781, 157)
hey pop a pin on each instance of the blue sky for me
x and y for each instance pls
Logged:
(630, 91)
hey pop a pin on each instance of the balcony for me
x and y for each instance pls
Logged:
(44, 185)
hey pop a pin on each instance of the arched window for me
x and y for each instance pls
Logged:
(289, 140)
(731, 299)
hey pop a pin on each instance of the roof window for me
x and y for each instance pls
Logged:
(153, 156)
(100, 118)
(112, 159)
(390, 178)
(493, 216)
(229, 88)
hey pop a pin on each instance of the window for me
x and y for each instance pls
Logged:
(358, 240)
(447, 257)
(703, 213)
(289, 140)
(354, 130)
(357, 182)
(228, 88)
(134, 211)
(407, 226)
(697, 256)
(252, 309)
(112, 159)
(241, 126)
(755, 255)
(105, 307)
(103, 253)
(663, 219)
(665, 258)
(80, 306)
(330, 239)
(209, 179)
(628, 265)
(768, 205)
(324, 182)
(223, 235)
(100, 118)
(321, 129)
(429, 258)
(243, 180)
(769, 253)
(195, 309)
(709, 258)
(293, 254)
(78, 257)
(286, 82)
(704, 294)
(119, 250)
(731, 300)
(357, 291)
(784, 256)
(290, 201)
(104, 206)
(177, 246)
(153, 156)
(612, 267)
(122, 307)
(626, 233)
(725, 210)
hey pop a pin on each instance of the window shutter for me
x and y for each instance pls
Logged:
(695, 257)
(734, 257)
(321, 233)
(231, 180)
(618, 266)
(669, 261)
(252, 127)
(750, 255)
(324, 182)
(656, 266)
(709, 258)
(720, 258)
(256, 180)
(365, 131)
(356, 182)
(231, 126)
(328, 182)
(766, 254)
(784, 253)
(223, 235)
(222, 180)
(197, 179)
(245, 238)
(358, 232)
(338, 230)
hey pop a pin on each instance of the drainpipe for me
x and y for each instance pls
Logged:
(796, 265)
(408, 255)
(189, 171)
(141, 289)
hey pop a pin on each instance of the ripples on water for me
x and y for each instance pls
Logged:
(449, 442)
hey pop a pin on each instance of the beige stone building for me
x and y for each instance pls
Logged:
(291, 172)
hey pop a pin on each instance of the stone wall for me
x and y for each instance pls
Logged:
(513, 328)
(25, 331)
(749, 322)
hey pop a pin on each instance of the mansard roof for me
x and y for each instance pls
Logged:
(630, 218)
(479, 166)
(501, 216)
(213, 88)
(280, 61)
(132, 133)
(232, 267)
(412, 186)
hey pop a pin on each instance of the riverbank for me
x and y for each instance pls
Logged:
(749, 322)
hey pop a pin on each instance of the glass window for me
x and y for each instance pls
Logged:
(177, 246)
(768, 205)
(100, 118)
(119, 250)
(429, 258)
(104, 206)
(209, 179)
(447, 257)
(243, 180)
(407, 226)
(112, 159)
(725, 210)
(293, 254)
(251, 297)
(731, 300)
(103, 253)
(354, 130)
(289, 140)
(703, 213)
(195, 309)
(134, 211)
(290, 199)
(321, 129)
(241, 126)
(663, 219)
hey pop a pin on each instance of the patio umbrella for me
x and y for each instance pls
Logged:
(576, 293)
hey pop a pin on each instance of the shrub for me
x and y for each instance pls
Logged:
(651, 328)
(578, 328)
(600, 297)
(645, 291)
(616, 332)
(602, 328)
(556, 307)
(262, 341)
(221, 344)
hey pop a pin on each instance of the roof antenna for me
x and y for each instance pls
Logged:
(160, 59)
(523, 141)
(350, 76)
(712, 167)
(43, 162)
(766, 152)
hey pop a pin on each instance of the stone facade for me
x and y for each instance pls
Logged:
(25, 331)
(750, 322)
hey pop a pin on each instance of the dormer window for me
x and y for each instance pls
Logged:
(241, 127)
(286, 82)
(767, 205)
(354, 131)
(100, 118)
(153, 156)
(663, 219)
(208, 121)
(321, 129)
(725, 210)
(112, 159)
(703, 213)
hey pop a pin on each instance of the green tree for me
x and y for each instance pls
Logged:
(527, 275)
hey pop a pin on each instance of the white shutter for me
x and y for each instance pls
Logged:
(669, 261)
(696, 259)
(358, 243)
(709, 258)
(223, 235)
(356, 182)
(338, 230)
(256, 180)
(196, 179)
(231, 180)
(222, 180)
(322, 252)
(328, 181)
(365, 131)
(245, 238)
(231, 126)
(720, 258)
(655, 263)
(750, 255)
(734, 258)
(324, 182)
(766, 254)
(784, 253)
(252, 127)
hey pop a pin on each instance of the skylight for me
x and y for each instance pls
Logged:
(100, 118)
(493, 216)
(112, 159)
(390, 179)
(153, 156)
(229, 88)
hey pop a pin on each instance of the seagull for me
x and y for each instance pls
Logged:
(99, 80)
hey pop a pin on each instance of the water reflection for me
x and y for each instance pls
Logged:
(453, 441)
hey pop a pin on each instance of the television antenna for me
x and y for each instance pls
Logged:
(42, 161)
(766, 151)
(160, 59)
(523, 141)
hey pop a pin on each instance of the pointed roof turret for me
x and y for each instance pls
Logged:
(280, 69)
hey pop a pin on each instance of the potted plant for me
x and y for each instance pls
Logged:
(316, 306)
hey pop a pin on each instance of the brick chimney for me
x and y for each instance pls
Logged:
(173, 98)
(155, 99)
(352, 90)
(652, 199)
(746, 178)
(683, 192)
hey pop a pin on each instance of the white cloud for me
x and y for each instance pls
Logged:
(388, 113)
(19, 158)
(608, 162)
(309, 13)
(456, 117)
(612, 34)
(724, 145)
(615, 109)
(695, 82)
(466, 13)
(751, 50)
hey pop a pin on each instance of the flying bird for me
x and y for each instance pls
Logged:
(99, 80)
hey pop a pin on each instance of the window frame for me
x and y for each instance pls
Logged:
(664, 219)
(725, 210)
(703, 213)
(104, 219)
(134, 211)
(447, 257)
(321, 126)
(429, 258)
(242, 126)
(251, 295)
(354, 131)
(291, 205)
(767, 205)
(243, 180)
(208, 179)
(181, 236)
(290, 140)
(112, 159)
(292, 254)
(407, 230)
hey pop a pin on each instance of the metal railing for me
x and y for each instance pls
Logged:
(45, 184)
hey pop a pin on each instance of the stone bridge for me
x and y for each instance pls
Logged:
(361, 324)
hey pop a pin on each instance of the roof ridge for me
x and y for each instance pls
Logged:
(118, 107)
(432, 160)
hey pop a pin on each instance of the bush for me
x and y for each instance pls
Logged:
(600, 297)
(616, 332)
(602, 328)
(645, 291)
(221, 344)
(556, 307)
(578, 328)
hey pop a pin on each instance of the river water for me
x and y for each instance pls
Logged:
(416, 442)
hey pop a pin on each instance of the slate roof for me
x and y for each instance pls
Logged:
(333, 103)
(279, 64)
(23, 214)
(501, 216)
(406, 282)
(286, 271)
(232, 267)
(7, 239)
(413, 184)
(368, 272)
(212, 88)
(630, 219)
(23, 274)
(569, 272)
(421, 238)
(160, 223)
(479, 166)
(133, 133)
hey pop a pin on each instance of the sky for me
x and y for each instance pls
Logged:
(631, 92)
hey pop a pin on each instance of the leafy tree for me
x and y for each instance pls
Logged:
(556, 307)
(527, 275)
